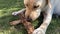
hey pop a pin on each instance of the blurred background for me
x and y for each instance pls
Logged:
(9, 6)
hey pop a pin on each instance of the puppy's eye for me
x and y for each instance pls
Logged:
(26, 5)
(36, 6)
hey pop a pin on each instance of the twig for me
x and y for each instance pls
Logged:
(28, 26)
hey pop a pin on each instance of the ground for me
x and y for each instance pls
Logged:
(9, 6)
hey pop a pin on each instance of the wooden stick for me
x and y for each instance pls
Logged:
(15, 22)
(28, 26)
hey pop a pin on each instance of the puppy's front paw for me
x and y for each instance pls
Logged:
(38, 31)
(15, 13)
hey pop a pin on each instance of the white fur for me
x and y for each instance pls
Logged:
(35, 14)
(16, 13)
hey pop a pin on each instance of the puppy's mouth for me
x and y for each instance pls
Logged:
(29, 19)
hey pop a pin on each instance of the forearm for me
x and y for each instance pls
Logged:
(18, 12)
(46, 23)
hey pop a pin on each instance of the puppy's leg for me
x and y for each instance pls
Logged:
(18, 12)
(47, 19)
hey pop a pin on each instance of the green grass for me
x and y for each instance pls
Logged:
(9, 6)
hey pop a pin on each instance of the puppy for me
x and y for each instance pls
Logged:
(48, 7)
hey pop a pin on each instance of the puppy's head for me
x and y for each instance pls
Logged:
(33, 8)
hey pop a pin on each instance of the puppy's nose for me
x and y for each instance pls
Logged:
(29, 19)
